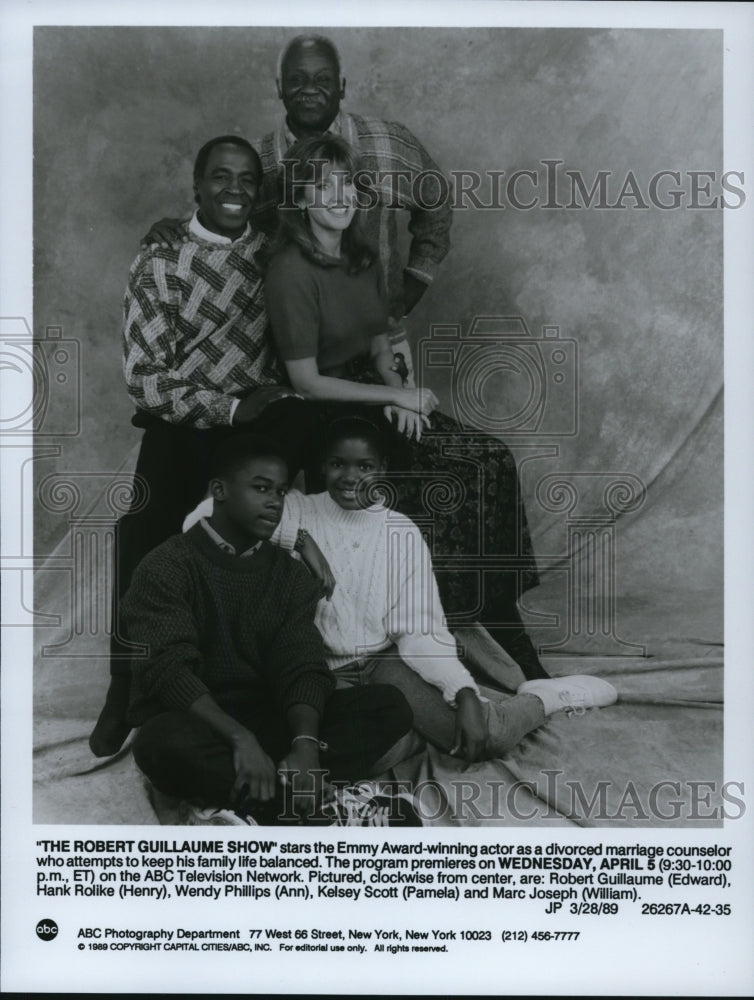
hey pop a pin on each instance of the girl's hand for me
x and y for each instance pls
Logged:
(318, 566)
(421, 401)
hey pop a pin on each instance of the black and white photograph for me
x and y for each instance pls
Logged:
(366, 463)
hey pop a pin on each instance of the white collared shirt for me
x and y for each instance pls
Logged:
(226, 546)
(202, 233)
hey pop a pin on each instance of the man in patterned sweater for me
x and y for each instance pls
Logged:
(234, 692)
(198, 364)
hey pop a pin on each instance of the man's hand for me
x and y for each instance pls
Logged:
(400, 367)
(318, 566)
(471, 726)
(255, 771)
(413, 289)
(402, 363)
(165, 233)
(301, 771)
(407, 421)
(259, 399)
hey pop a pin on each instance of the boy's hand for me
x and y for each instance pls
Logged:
(471, 726)
(255, 771)
(165, 233)
(301, 770)
(319, 567)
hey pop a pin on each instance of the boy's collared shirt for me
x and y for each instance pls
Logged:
(226, 546)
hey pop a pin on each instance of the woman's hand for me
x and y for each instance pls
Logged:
(164, 233)
(421, 401)
(318, 566)
(407, 422)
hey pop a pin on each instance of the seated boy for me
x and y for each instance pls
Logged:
(233, 696)
(383, 622)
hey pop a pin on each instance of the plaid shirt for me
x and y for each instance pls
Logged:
(386, 148)
(195, 335)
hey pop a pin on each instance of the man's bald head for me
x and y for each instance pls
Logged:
(310, 83)
(303, 42)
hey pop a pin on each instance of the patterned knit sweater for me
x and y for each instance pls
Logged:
(195, 330)
(225, 625)
(385, 589)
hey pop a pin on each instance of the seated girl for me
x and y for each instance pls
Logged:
(382, 620)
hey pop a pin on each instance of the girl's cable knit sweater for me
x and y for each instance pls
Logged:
(385, 589)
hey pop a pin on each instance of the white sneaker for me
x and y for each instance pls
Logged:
(577, 693)
(191, 815)
(362, 805)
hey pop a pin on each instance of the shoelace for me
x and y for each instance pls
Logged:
(574, 701)
(349, 810)
(217, 817)
(380, 817)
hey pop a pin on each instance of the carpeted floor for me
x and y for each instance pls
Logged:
(632, 764)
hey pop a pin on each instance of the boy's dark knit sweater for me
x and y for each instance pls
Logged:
(235, 627)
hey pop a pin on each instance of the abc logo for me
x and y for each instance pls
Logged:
(47, 930)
